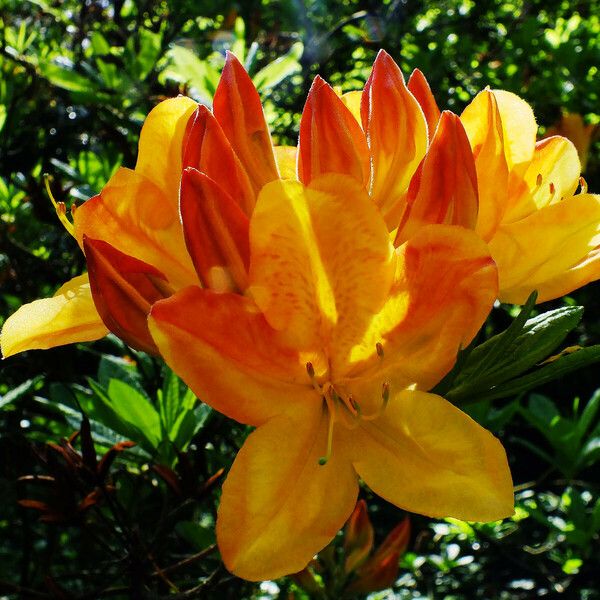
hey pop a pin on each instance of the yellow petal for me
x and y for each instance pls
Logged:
(286, 157)
(321, 261)
(552, 174)
(223, 348)
(352, 100)
(571, 126)
(483, 125)
(426, 456)
(518, 127)
(279, 505)
(554, 250)
(136, 217)
(396, 131)
(68, 317)
(161, 145)
(446, 284)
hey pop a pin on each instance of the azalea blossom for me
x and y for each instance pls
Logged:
(482, 171)
(285, 305)
(573, 127)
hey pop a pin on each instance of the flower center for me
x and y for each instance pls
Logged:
(344, 407)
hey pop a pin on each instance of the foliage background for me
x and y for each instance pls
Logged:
(77, 79)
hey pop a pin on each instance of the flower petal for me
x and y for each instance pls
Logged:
(135, 216)
(426, 456)
(68, 317)
(286, 158)
(483, 125)
(224, 349)
(216, 233)
(208, 150)
(554, 250)
(419, 87)
(352, 101)
(279, 505)
(444, 189)
(321, 261)
(124, 289)
(397, 133)
(161, 145)
(331, 140)
(237, 107)
(446, 284)
(572, 126)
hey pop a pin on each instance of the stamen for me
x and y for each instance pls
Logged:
(538, 180)
(331, 409)
(584, 185)
(385, 396)
(310, 370)
(379, 348)
(59, 207)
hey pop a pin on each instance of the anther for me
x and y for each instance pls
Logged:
(310, 370)
(59, 207)
(385, 392)
(379, 348)
(584, 185)
(552, 188)
(538, 180)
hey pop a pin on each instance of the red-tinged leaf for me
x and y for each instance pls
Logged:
(238, 109)
(107, 460)
(91, 499)
(444, 189)
(170, 477)
(306, 580)
(331, 140)
(35, 504)
(124, 289)
(208, 150)
(358, 539)
(88, 452)
(381, 570)
(67, 452)
(216, 233)
(419, 88)
(211, 481)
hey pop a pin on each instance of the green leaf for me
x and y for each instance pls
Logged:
(279, 69)
(3, 113)
(588, 415)
(65, 78)
(114, 367)
(198, 535)
(20, 391)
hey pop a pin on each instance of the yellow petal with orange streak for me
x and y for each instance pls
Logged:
(330, 140)
(397, 134)
(68, 317)
(482, 122)
(228, 354)
(279, 505)
(445, 287)
(136, 217)
(555, 250)
(444, 189)
(286, 157)
(238, 110)
(161, 145)
(321, 261)
(426, 456)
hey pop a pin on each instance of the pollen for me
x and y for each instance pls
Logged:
(538, 179)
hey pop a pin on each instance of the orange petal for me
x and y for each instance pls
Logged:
(124, 290)
(446, 284)
(483, 125)
(331, 140)
(397, 133)
(426, 456)
(216, 233)
(321, 261)
(555, 250)
(134, 215)
(68, 317)
(228, 354)
(161, 145)
(419, 88)
(358, 537)
(237, 107)
(279, 505)
(208, 150)
(552, 174)
(444, 189)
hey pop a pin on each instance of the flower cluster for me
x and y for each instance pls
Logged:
(317, 293)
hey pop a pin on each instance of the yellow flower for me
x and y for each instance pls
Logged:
(482, 171)
(285, 305)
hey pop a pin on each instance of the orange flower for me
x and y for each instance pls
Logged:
(284, 305)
